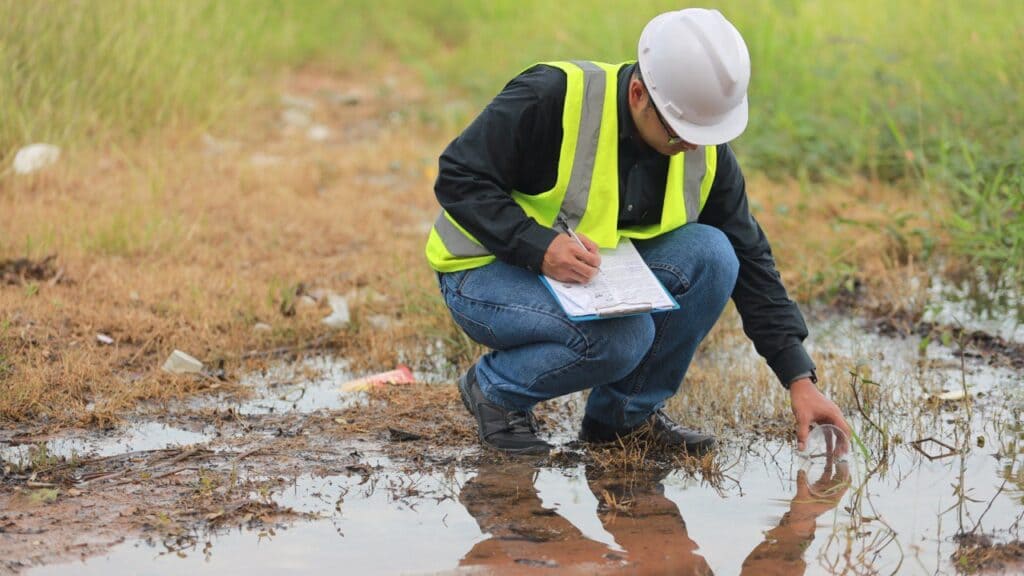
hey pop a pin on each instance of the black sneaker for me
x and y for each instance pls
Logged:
(662, 429)
(511, 431)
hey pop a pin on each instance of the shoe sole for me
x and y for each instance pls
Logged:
(700, 449)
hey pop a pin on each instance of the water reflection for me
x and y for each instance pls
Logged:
(647, 526)
(783, 547)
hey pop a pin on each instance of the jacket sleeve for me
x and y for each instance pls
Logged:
(481, 166)
(770, 319)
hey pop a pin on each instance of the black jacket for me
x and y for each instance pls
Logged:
(514, 145)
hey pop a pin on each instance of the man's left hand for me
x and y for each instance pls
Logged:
(810, 406)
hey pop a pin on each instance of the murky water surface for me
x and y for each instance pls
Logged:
(140, 436)
(766, 515)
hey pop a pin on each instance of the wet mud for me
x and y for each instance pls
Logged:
(297, 476)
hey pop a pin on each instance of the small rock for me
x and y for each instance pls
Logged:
(35, 157)
(262, 327)
(181, 363)
(318, 133)
(104, 339)
(339, 311)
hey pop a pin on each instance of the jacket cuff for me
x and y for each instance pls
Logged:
(790, 363)
(531, 247)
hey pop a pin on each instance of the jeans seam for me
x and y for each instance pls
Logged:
(680, 277)
(586, 355)
(638, 386)
(469, 320)
(543, 311)
(555, 371)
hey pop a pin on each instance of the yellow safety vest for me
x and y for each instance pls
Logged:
(586, 192)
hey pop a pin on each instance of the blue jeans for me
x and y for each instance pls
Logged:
(631, 365)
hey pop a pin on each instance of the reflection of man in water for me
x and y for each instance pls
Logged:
(634, 510)
(782, 551)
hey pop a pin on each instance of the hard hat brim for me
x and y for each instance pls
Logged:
(728, 127)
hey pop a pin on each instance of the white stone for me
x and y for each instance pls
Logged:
(104, 339)
(181, 363)
(339, 317)
(35, 157)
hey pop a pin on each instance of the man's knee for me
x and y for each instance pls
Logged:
(695, 254)
(718, 258)
(614, 347)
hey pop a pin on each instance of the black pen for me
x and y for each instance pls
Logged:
(568, 230)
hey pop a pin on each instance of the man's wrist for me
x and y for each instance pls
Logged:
(803, 381)
(809, 374)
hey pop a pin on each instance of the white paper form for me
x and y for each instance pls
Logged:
(624, 285)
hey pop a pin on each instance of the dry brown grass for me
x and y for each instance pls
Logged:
(173, 243)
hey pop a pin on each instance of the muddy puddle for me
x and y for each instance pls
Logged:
(307, 485)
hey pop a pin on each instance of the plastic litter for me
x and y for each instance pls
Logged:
(104, 339)
(181, 363)
(35, 157)
(400, 375)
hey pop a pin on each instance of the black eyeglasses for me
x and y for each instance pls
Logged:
(673, 138)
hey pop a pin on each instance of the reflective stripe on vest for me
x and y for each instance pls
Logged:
(591, 104)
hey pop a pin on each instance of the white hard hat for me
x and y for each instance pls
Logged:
(696, 68)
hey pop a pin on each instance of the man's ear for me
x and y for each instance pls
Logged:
(637, 93)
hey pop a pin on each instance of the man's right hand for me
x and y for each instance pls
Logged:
(567, 261)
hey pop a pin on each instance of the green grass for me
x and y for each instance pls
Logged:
(926, 92)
